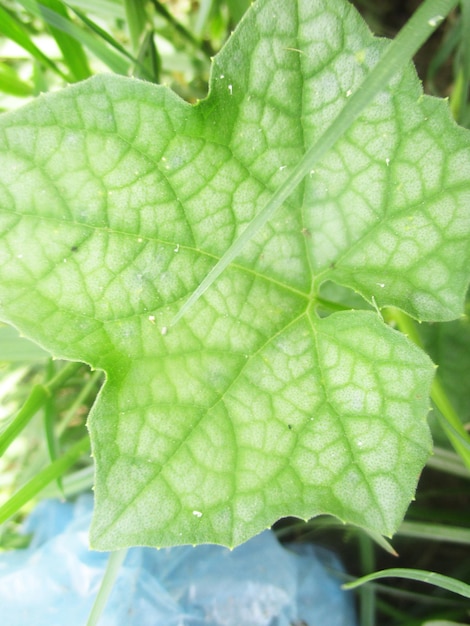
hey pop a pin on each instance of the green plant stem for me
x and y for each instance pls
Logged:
(367, 594)
(399, 52)
(115, 561)
(43, 478)
(49, 420)
(451, 424)
(38, 397)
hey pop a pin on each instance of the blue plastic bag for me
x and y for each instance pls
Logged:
(261, 583)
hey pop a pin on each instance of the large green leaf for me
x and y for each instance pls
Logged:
(116, 200)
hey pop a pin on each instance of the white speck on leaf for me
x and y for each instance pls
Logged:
(295, 50)
(197, 513)
(348, 93)
(230, 88)
(152, 319)
(435, 21)
(177, 248)
(164, 330)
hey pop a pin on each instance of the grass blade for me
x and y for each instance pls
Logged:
(205, 7)
(143, 43)
(446, 414)
(96, 45)
(49, 424)
(449, 462)
(432, 578)
(12, 84)
(36, 399)
(72, 52)
(43, 478)
(179, 28)
(103, 51)
(14, 30)
(435, 532)
(104, 8)
(149, 59)
(450, 422)
(136, 21)
(461, 91)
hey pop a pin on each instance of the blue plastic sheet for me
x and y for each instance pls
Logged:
(261, 583)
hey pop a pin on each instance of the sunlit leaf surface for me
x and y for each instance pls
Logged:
(117, 198)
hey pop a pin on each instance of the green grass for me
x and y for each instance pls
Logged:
(44, 403)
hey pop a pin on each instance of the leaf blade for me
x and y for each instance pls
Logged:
(252, 407)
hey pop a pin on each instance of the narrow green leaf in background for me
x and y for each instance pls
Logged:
(136, 20)
(433, 578)
(14, 30)
(37, 398)
(43, 478)
(111, 56)
(72, 51)
(11, 83)
(116, 200)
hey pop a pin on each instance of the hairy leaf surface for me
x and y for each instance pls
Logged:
(117, 198)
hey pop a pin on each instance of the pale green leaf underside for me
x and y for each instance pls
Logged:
(116, 199)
